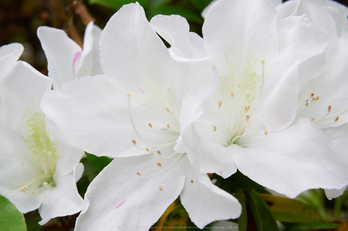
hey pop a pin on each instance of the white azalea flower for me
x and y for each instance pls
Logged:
(66, 60)
(323, 98)
(9, 55)
(37, 169)
(141, 107)
(250, 123)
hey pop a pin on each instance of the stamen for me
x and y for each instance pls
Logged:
(214, 128)
(220, 103)
(138, 173)
(150, 125)
(247, 117)
(317, 98)
(247, 108)
(329, 108)
(192, 181)
(160, 188)
(312, 94)
(159, 164)
(168, 126)
(312, 119)
(337, 118)
(136, 131)
(147, 149)
(266, 132)
(165, 168)
(134, 142)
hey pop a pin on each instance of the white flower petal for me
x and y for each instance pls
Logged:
(122, 200)
(205, 202)
(89, 111)
(337, 139)
(240, 32)
(175, 30)
(9, 54)
(293, 160)
(138, 59)
(90, 59)
(19, 99)
(334, 193)
(61, 53)
(61, 200)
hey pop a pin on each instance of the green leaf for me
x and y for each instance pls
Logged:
(116, 4)
(201, 4)
(290, 210)
(243, 219)
(10, 218)
(157, 3)
(311, 226)
(262, 215)
(98, 162)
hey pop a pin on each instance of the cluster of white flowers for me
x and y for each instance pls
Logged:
(263, 92)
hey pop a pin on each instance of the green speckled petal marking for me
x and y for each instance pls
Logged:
(43, 152)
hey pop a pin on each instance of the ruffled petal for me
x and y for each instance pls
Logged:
(89, 63)
(135, 201)
(61, 200)
(61, 53)
(293, 160)
(205, 202)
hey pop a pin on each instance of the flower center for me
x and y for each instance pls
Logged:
(240, 93)
(43, 153)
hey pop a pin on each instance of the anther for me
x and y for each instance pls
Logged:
(337, 118)
(247, 117)
(168, 109)
(192, 181)
(150, 125)
(44, 166)
(312, 94)
(16, 183)
(312, 119)
(33, 192)
(312, 99)
(134, 142)
(160, 188)
(147, 149)
(159, 164)
(266, 132)
(239, 85)
(44, 183)
(317, 98)
(214, 128)
(159, 152)
(168, 126)
(247, 108)
(307, 104)
(138, 173)
(247, 95)
(232, 94)
(220, 103)
(329, 108)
